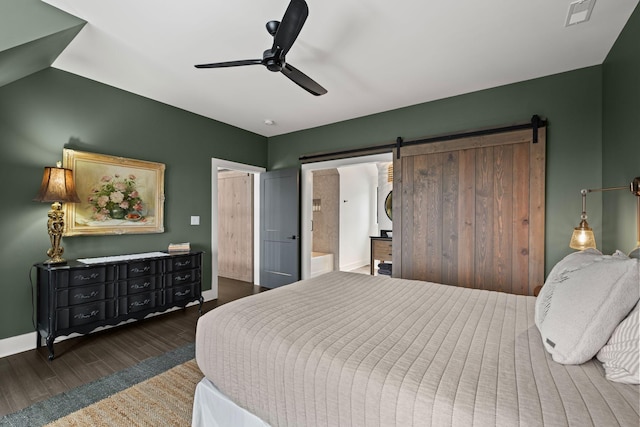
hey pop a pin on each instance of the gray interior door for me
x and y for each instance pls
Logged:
(280, 225)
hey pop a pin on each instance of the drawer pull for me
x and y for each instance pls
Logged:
(183, 278)
(84, 296)
(83, 316)
(183, 264)
(142, 286)
(140, 270)
(182, 294)
(139, 303)
(89, 277)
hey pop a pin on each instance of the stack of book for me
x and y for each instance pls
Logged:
(179, 247)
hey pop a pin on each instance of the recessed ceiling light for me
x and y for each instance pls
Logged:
(269, 122)
(579, 12)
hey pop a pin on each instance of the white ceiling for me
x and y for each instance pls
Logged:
(371, 55)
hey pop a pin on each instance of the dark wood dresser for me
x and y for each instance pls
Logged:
(78, 297)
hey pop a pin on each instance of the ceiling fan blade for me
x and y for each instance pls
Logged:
(302, 80)
(230, 63)
(290, 26)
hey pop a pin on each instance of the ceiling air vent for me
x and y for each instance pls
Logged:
(579, 12)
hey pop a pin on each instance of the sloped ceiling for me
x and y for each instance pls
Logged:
(32, 35)
(371, 55)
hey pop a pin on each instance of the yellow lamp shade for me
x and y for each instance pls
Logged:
(57, 186)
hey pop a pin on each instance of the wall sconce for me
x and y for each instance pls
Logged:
(316, 205)
(583, 237)
(57, 187)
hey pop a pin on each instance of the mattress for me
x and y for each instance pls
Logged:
(347, 349)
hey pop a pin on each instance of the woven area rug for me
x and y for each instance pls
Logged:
(146, 394)
(164, 400)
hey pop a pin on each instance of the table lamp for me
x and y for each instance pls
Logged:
(57, 187)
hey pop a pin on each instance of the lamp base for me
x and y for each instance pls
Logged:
(55, 227)
(58, 260)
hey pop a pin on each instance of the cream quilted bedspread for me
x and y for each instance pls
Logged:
(346, 349)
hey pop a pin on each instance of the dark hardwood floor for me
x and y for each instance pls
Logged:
(29, 377)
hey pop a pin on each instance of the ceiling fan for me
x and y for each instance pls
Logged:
(284, 34)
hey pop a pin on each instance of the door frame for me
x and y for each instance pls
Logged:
(306, 200)
(217, 164)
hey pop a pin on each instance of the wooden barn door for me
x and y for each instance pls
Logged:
(470, 212)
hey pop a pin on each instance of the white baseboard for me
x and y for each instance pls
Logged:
(26, 342)
(208, 295)
(17, 344)
(354, 265)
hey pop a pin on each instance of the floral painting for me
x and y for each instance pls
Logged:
(116, 198)
(118, 195)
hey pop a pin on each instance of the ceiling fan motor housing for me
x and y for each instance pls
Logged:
(272, 61)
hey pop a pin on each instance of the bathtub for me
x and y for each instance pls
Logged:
(321, 263)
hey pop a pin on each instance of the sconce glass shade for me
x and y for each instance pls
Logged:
(57, 186)
(582, 237)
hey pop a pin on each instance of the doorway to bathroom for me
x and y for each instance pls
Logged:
(342, 205)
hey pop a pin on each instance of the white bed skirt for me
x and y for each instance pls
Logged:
(211, 408)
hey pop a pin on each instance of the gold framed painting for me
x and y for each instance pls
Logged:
(117, 195)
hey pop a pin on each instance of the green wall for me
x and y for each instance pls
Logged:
(50, 110)
(621, 136)
(572, 103)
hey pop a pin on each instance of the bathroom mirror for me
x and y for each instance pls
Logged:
(387, 205)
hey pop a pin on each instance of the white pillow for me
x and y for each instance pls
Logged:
(585, 297)
(621, 355)
(571, 262)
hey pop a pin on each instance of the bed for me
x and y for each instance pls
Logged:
(346, 349)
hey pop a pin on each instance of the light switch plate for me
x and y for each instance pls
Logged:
(195, 220)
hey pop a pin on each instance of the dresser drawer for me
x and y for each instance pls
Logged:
(85, 314)
(139, 268)
(382, 250)
(139, 302)
(181, 293)
(85, 294)
(182, 277)
(83, 276)
(182, 262)
(139, 284)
